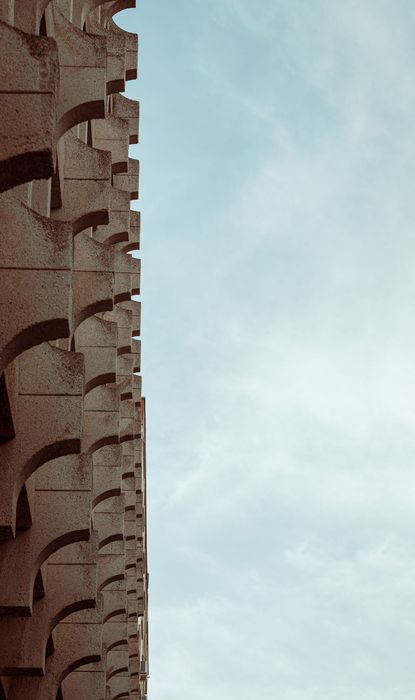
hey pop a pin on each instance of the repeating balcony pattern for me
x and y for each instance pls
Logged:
(73, 545)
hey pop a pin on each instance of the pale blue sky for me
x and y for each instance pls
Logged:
(278, 216)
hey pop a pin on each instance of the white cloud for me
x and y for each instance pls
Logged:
(279, 363)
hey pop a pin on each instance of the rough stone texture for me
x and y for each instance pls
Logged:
(73, 562)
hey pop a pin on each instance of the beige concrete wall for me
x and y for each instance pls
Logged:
(73, 561)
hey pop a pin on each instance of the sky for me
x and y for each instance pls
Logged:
(278, 214)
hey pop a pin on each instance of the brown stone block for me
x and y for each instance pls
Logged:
(112, 505)
(137, 387)
(136, 354)
(100, 366)
(82, 62)
(102, 398)
(96, 332)
(73, 472)
(93, 293)
(107, 484)
(8, 397)
(131, 49)
(117, 661)
(116, 64)
(28, 140)
(130, 567)
(28, 113)
(109, 455)
(92, 256)
(84, 685)
(115, 605)
(46, 369)
(122, 287)
(129, 527)
(126, 263)
(100, 429)
(132, 607)
(130, 447)
(118, 687)
(119, 200)
(61, 518)
(135, 290)
(122, 317)
(134, 685)
(110, 571)
(34, 307)
(125, 386)
(7, 15)
(133, 649)
(30, 63)
(88, 615)
(23, 640)
(79, 162)
(34, 303)
(124, 341)
(75, 646)
(135, 307)
(41, 196)
(116, 231)
(128, 483)
(110, 527)
(112, 134)
(115, 54)
(27, 14)
(130, 508)
(77, 553)
(127, 429)
(85, 204)
(47, 427)
(82, 162)
(125, 365)
(125, 108)
(133, 235)
(128, 410)
(129, 181)
(82, 96)
(114, 635)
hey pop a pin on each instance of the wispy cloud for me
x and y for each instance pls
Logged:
(279, 345)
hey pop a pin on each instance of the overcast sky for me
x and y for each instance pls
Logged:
(278, 246)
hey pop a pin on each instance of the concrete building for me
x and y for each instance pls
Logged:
(73, 564)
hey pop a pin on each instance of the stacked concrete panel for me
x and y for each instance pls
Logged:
(73, 562)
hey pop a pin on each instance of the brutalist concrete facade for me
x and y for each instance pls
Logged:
(73, 564)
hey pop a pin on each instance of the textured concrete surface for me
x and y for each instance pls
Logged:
(73, 561)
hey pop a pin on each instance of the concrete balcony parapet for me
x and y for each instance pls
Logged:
(129, 182)
(82, 67)
(102, 398)
(100, 428)
(125, 108)
(107, 485)
(116, 49)
(48, 422)
(35, 263)
(85, 684)
(93, 293)
(112, 134)
(76, 644)
(60, 518)
(29, 89)
(131, 48)
(23, 640)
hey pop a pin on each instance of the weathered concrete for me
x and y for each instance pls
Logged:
(73, 566)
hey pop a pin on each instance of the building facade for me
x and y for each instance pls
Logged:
(73, 562)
